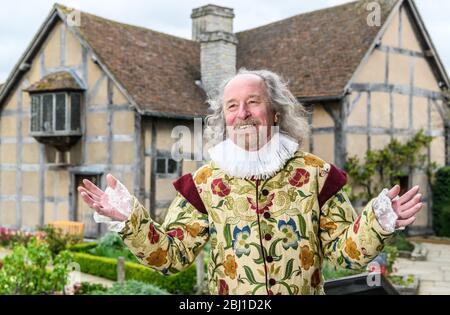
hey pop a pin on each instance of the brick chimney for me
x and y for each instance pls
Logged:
(212, 26)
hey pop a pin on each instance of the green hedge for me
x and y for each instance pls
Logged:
(441, 202)
(181, 283)
(82, 247)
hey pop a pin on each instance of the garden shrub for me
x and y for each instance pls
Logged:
(389, 164)
(56, 239)
(131, 287)
(180, 283)
(82, 247)
(400, 241)
(111, 245)
(331, 272)
(10, 237)
(27, 270)
(441, 202)
(86, 288)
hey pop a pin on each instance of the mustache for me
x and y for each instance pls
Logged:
(250, 121)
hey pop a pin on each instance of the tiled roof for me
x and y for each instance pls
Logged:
(55, 82)
(318, 52)
(157, 70)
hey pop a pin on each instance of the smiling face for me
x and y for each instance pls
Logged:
(248, 114)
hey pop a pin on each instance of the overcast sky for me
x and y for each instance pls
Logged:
(20, 19)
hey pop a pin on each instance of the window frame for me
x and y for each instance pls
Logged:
(68, 112)
(166, 156)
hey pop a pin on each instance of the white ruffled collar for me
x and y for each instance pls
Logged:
(261, 164)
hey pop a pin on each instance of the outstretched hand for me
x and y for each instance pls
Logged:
(97, 199)
(406, 206)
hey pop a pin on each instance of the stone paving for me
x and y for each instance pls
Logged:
(434, 273)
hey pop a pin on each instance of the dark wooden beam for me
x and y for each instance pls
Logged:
(139, 167)
(109, 143)
(395, 88)
(339, 113)
(42, 171)
(400, 51)
(153, 170)
(387, 131)
(19, 158)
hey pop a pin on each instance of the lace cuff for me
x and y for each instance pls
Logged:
(120, 199)
(384, 212)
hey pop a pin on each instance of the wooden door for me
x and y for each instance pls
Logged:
(83, 213)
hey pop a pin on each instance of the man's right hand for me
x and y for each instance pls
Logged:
(97, 199)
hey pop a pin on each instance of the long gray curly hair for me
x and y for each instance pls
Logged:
(292, 115)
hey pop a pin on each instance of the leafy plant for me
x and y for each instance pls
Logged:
(331, 272)
(31, 269)
(111, 245)
(388, 165)
(402, 281)
(392, 254)
(10, 237)
(57, 239)
(400, 242)
(131, 287)
(85, 288)
(441, 202)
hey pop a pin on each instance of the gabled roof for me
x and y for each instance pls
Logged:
(56, 81)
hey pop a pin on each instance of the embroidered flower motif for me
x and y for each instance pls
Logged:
(178, 233)
(291, 235)
(240, 239)
(193, 229)
(157, 258)
(230, 266)
(300, 177)
(266, 228)
(153, 235)
(202, 175)
(356, 224)
(351, 249)
(220, 188)
(328, 226)
(263, 205)
(315, 278)
(314, 161)
(223, 287)
(306, 257)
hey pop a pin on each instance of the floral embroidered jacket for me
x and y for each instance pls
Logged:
(267, 236)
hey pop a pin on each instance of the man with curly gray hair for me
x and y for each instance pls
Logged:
(288, 114)
(271, 212)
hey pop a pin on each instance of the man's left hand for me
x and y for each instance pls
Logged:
(407, 206)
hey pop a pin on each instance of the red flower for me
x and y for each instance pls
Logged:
(178, 233)
(153, 235)
(356, 224)
(262, 206)
(300, 177)
(315, 278)
(220, 188)
(223, 287)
